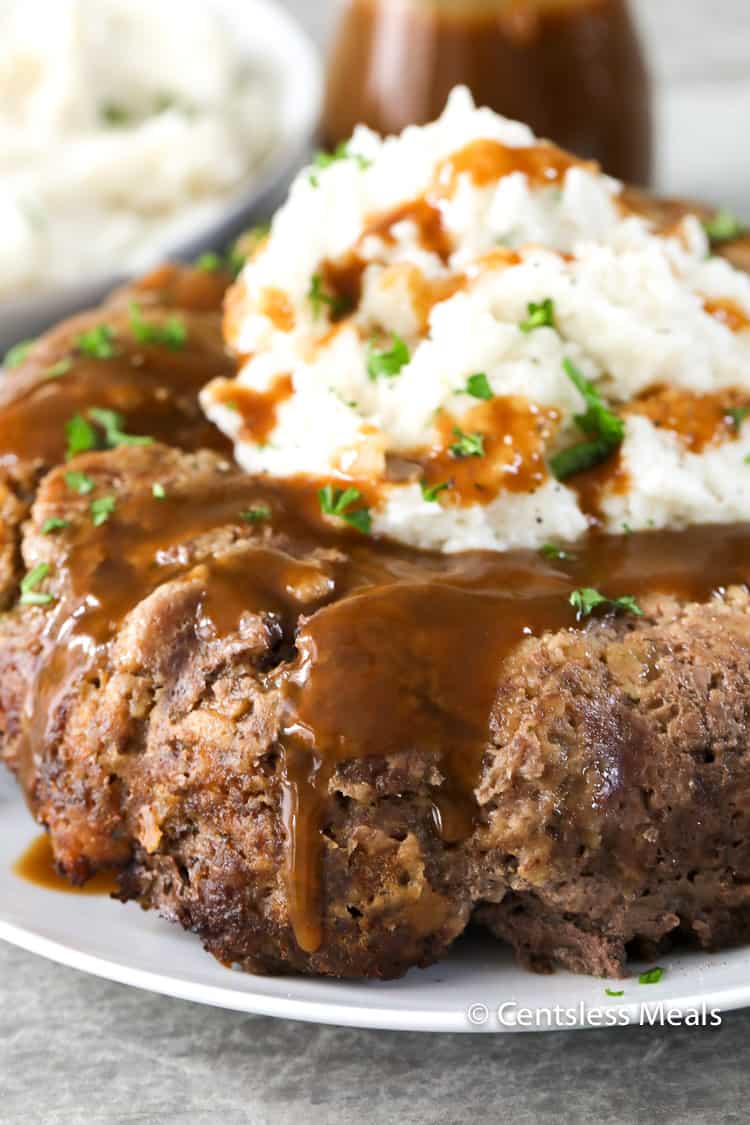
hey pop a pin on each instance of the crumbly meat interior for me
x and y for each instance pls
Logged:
(612, 798)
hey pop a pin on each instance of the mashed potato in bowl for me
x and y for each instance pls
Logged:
(480, 336)
(124, 126)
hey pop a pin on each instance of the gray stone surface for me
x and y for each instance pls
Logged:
(77, 1050)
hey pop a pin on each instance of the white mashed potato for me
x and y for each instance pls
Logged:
(451, 232)
(123, 125)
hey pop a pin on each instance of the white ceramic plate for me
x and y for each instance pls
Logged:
(464, 993)
(280, 48)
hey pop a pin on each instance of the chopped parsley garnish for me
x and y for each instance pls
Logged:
(550, 551)
(387, 362)
(738, 414)
(724, 226)
(166, 101)
(115, 115)
(50, 526)
(81, 436)
(605, 428)
(79, 482)
(540, 316)
(586, 600)
(211, 262)
(112, 422)
(341, 152)
(257, 514)
(101, 509)
(172, 334)
(98, 342)
(158, 491)
(478, 386)
(431, 492)
(467, 445)
(17, 354)
(30, 594)
(338, 502)
(651, 976)
(245, 247)
(318, 297)
(62, 367)
(614, 992)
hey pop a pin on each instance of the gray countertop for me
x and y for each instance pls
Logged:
(76, 1049)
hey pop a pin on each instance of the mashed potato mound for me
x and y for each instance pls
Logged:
(436, 318)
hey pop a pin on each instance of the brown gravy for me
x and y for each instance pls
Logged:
(153, 386)
(382, 639)
(37, 865)
(257, 409)
(572, 69)
(700, 420)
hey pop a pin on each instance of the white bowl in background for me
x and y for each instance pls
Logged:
(282, 48)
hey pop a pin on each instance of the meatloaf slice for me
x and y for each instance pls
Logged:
(612, 800)
(144, 354)
(161, 755)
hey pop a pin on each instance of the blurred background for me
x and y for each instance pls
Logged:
(137, 130)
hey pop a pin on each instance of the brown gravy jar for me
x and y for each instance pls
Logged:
(571, 69)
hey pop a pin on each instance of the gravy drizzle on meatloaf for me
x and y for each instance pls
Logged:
(404, 679)
(153, 385)
(377, 645)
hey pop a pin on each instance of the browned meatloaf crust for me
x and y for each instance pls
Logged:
(614, 796)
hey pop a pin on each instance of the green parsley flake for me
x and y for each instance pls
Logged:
(540, 316)
(341, 152)
(467, 445)
(101, 509)
(724, 226)
(17, 354)
(79, 482)
(478, 386)
(210, 262)
(158, 492)
(50, 526)
(431, 492)
(614, 992)
(112, 424)
(245, 247)
(338, 502)
(651, 976)
(604, 427)
(550, 551)
(387, 362)
(257, 514)
(172, 334)
(114, 115)
(81, 436)
(317, 297)
(586, 600)
(62, 367)
(30, 595)
(98, 342)
(738, 414)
